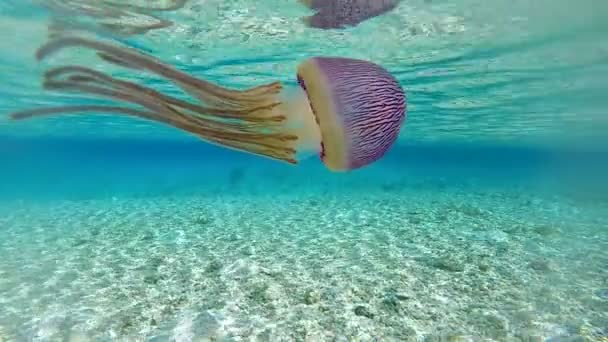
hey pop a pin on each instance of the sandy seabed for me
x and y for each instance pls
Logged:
(398, 265)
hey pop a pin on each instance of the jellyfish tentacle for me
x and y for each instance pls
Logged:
(253, 120)
(116, 16)
(83, 109)
(116, 61)
(175, 5)
(87, 75)
(201, 89)
(133, 30)
(78, 109)
(134, 95)
(270, 146)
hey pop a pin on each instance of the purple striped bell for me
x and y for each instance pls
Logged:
(359, 108)
(335, 14)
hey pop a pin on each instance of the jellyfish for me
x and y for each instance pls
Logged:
(335, 14)
(349, 112)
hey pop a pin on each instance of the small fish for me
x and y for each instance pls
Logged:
(336, 14)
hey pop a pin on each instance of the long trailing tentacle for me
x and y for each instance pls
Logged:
(119, 17)
(97, 83)
(201, 89)
(86, 109)
(244, 120)
(83, 74)
(150, 6)
(81, 109)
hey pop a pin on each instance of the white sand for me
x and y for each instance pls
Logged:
(383, 266)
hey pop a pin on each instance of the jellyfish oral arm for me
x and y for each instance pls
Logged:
(266, 120)
(302, 121)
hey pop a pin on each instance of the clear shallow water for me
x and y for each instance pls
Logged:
(489, 218)
(509, 70)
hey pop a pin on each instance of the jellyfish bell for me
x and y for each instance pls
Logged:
(339, 14)
(359, 108)
(347, 111)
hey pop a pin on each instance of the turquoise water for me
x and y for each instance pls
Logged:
(488, 219)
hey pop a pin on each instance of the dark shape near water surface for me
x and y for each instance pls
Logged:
(122, 18)
(335, 14)
(347, 111)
